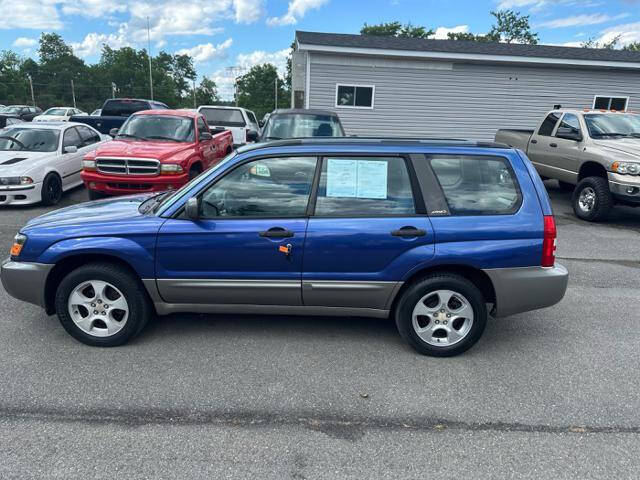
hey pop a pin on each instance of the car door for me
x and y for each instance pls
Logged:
(368, 230)
(207, 148)
(71, 162)
(246, 246)
(540, 152)
(567, 151)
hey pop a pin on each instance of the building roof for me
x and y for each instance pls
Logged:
(453, 47)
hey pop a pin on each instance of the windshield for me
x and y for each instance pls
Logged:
(56, 111)
(613, 124)
(300, 125)
(223, 117)
(29, 139)
(12, 110)
(167, 201)
(158, 127)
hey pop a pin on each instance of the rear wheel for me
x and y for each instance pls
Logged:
(441, 315)
(592, 199)
(51, 189)
(102, 304)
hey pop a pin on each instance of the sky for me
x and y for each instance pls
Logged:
(223, 33)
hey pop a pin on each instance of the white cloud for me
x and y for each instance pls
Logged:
(296, 10)
(207, 51)
(627, 33)
(24, 42)
(540, 5)
(91, 8)
(441, 32)
(248, 11)
(29, 14)
(93, 42)
(581, 20)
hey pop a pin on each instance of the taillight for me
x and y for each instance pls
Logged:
(549, 242)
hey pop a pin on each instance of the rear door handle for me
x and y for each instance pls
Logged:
(409, 232)
(554, 145)
(277, 232)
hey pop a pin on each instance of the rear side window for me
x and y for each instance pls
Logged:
(548, 125)
(364, 187)
(88, 136)
(252, 117)
(223, 117)
(123, 108)
(477, 185)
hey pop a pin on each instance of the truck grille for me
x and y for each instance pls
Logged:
(128, 166)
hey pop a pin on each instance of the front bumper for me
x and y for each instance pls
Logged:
(20, 194)
(129, 184)
(527, 288)
(624, 188)
(25, 280)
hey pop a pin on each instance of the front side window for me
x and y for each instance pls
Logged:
(357, 96)
(29, 139)
(158, 127)
(477, 185)
(71, 138)
(549, 124)
(569, 123)
(361, 186)
(610, 103)
(88, 136)
(602, 125)
(269, 187)
(202, 127)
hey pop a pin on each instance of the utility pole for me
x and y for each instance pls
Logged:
(113, 90)
(150, 74)
(73, 93)
(276, 91)
(235, 72)
(33, 98)
(194, 94)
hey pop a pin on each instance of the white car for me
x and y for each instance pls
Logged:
(39, 161)
(240, 121)
(58, 114)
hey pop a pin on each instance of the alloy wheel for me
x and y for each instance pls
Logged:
(442, 318)
(98, 308)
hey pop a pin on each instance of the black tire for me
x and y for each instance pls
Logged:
(51, 189)
(93, 195)
(194, 171)
(432, 283)
(603, 200)
(139, 305)
(566, 186)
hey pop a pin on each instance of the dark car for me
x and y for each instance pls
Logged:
(8, 120)
(23, 112)
(301, 123)
(115, 111)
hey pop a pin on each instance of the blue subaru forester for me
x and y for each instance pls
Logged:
(435, 234)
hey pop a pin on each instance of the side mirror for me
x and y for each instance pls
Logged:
(205, 136)
(569, 134)
(192, 208)
(113, 132)
(260, 123)
(252, 136)
(70, 149)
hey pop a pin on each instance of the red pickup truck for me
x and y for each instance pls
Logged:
(155, 150)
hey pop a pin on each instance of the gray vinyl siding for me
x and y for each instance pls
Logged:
(418, 99)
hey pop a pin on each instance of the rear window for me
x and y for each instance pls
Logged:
(223, 117)
(477, 185)
(123, 108)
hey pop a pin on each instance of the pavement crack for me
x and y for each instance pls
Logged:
(344, 427)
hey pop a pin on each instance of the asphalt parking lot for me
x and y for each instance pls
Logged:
(546, 394)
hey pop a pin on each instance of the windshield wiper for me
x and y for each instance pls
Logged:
(274, 138)
(160, 137)
(154, 201)
(16, 141)
(128, 135)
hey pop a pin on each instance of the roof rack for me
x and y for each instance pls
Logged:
(371, 141)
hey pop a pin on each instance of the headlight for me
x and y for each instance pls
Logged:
(170, 169)
(18, 243)
(626, 168)
(89, 165)
(16, 180)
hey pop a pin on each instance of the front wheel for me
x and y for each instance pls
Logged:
(441, 315)
(51, 189)
(102, 304)
(93, 195)
(592, 199)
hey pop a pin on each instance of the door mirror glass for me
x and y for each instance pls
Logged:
(70, 149)
(192, 208)
(205, 136)
(252, 136)
(568, 133)
(113, 132)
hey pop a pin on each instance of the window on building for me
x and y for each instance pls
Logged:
(610, 103)
(476, 185)
(355, 96)
(549, 124)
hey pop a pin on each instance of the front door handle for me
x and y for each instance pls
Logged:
(409, 232)
(534, 141)
(277, 232)
(554, 145)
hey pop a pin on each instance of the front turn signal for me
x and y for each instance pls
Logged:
(18, 243)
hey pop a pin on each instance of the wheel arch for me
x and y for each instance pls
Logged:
(591, 169)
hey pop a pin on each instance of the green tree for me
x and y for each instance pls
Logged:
(610, 45)
(256, 90)
(396, 29)
(207, 92)
(472, 37)
(511, 27)
(634, 47)
(14, 85)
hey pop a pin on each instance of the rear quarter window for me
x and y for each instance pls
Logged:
(477, 185)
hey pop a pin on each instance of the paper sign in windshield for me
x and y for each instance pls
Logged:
(356, 178)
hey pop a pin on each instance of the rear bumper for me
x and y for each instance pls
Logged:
(129, 184)
(25, 280)
(528, 288)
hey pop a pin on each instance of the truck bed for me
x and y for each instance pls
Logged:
(515, 138)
